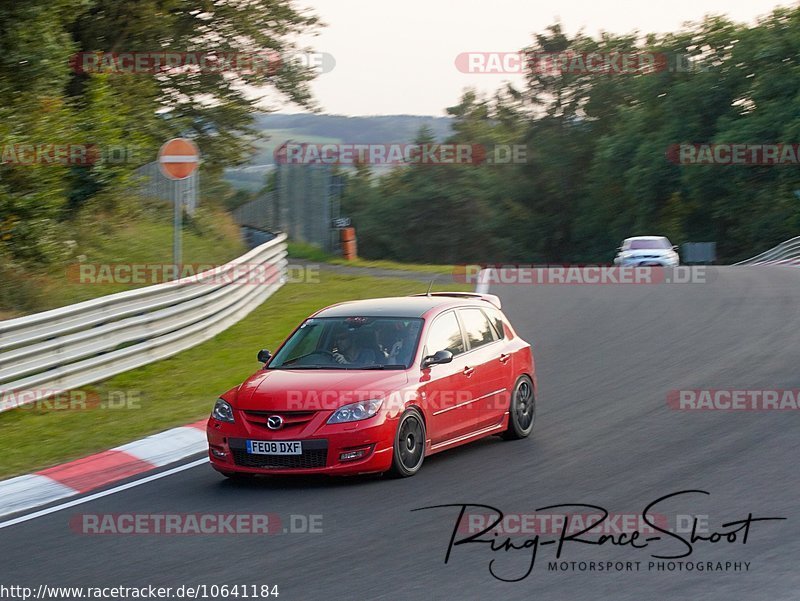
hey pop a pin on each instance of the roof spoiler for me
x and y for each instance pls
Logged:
(492, 299)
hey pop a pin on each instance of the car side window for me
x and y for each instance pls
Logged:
(445, 334)
(477, 327)
(497, 321)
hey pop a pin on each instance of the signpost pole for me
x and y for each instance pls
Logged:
(178, 159)
(177, 201)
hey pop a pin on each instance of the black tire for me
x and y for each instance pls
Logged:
(521, 411)
(409, 444)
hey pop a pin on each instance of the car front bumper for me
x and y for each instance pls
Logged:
(322, 448)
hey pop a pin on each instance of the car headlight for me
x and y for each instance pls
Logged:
(355, 411)
(222, 411)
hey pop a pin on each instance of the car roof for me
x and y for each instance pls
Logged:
(399, 306)
(646, 238)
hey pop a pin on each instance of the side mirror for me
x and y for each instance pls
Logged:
(438, 358)
(675, 247)
(264, 355)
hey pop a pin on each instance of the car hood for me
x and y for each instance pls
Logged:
(306, 389)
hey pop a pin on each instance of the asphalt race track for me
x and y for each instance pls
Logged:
(607, 357)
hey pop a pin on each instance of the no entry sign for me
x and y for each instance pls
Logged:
(178, 158)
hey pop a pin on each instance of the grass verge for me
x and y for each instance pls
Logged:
(310, 252)
(211, 238)
(178, 390)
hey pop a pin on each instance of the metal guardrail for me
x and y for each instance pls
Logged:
(786, 253)
(72, 346)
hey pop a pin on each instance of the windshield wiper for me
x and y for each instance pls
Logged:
(290, 361)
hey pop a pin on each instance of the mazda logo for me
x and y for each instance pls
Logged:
(274, 422)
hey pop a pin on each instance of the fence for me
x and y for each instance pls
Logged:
(153, 184)
(304, 204)
(261, 213)
(79, 344)
(704, 253)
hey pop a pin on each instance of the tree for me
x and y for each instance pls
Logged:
(45, 99)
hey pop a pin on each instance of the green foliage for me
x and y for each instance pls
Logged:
(46, 100)
(138, 237)
(596, 168)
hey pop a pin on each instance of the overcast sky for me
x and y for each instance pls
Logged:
(398, 57)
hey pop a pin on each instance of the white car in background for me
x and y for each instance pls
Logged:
(647, 250)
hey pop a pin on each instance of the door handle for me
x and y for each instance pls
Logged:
(504, 357)
(468, 371)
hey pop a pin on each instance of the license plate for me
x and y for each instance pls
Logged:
(274, 447)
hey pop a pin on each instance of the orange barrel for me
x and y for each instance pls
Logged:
(348, 239)
(349, 251)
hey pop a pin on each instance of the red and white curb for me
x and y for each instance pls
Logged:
(89, 473)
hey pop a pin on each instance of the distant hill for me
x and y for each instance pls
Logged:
(333, 129)
(356, 130)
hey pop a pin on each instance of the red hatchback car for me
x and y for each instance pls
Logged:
(377, 385)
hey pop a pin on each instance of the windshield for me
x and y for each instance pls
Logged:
(350, 343)
(650, 244)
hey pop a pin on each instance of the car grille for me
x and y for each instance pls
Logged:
(290, 418)
(315, 454)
